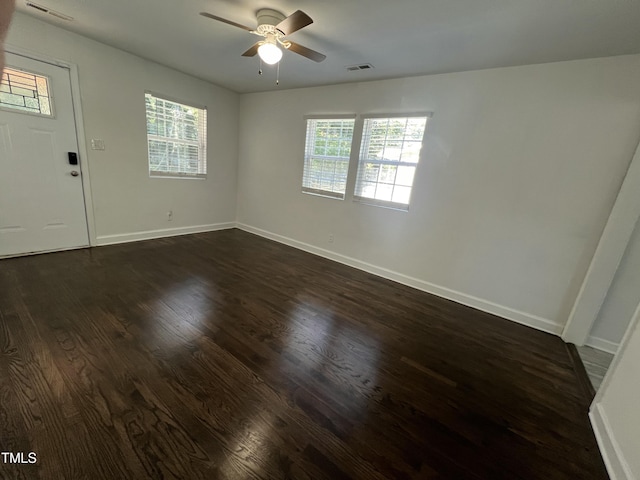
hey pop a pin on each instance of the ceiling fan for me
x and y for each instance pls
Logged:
(274, 26)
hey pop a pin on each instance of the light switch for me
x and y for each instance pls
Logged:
(97, 144)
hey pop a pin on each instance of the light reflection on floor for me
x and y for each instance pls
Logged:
(314, 345)
(252, 444)
(326, 350)
(180, 312)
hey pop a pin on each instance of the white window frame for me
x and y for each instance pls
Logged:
(309, 149)
(365, 137)
(200, 143)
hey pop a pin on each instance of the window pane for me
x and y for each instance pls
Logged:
(405, 175)
(45, 106)
(387, 174)
(401, 195)
(384, 192)
(415, 129)
(320, 148)
(367, 190)
(32, 103)
(327, 152)
(388, 155)
(371, 172)
(25, 91)
(410, 152)
(177, 136)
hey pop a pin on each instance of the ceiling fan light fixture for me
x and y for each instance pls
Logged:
(269, 53)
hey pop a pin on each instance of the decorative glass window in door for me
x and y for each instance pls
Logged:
(25, 91)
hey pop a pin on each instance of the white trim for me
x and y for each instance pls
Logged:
(602, 344)
(372, 202)
(609, 448)
(635, 320)
(322, 193)
(398, 114)
(40, 252)
(330, 116)
(83, 152)
(162, 233)
(517, 316)
(177, 176)
(171, 99)
(611, 454)
(604, 264)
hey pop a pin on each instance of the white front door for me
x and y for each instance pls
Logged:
(41, 196)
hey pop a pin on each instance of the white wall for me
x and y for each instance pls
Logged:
(614, 413)
(126, 201)
(621, 300)
(520, 171)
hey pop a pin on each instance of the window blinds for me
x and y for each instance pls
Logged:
(326, 156)
(176, 137)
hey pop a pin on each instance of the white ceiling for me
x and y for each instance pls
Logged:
(400, 38)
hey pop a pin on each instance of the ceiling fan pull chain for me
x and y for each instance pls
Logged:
(278, 73)
(260, 67)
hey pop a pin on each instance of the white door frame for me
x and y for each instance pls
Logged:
(79, 124)
(612, 454)
(605, 262)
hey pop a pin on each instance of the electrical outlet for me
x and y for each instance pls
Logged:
(170, 215)
(331, 238)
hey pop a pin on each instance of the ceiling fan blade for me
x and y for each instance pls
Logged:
(252, 51)
(294, 22)
(224, 20)
(306, 52)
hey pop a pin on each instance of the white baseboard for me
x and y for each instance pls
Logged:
(602, 344)
(523, 318)
(614, 460)
(165, 232)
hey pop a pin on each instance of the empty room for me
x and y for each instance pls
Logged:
(320, 240)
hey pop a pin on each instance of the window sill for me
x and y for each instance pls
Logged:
(400, 207)
(320, 193)
(178, 177)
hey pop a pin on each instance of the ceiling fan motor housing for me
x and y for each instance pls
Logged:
(267, 20)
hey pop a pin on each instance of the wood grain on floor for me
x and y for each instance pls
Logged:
(228, 356)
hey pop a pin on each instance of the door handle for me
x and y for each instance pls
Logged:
(74, 173)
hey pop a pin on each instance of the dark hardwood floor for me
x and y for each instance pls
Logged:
(227, 356)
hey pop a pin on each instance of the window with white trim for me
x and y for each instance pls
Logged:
(176, 138)
(389, 155)
(326, 156)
